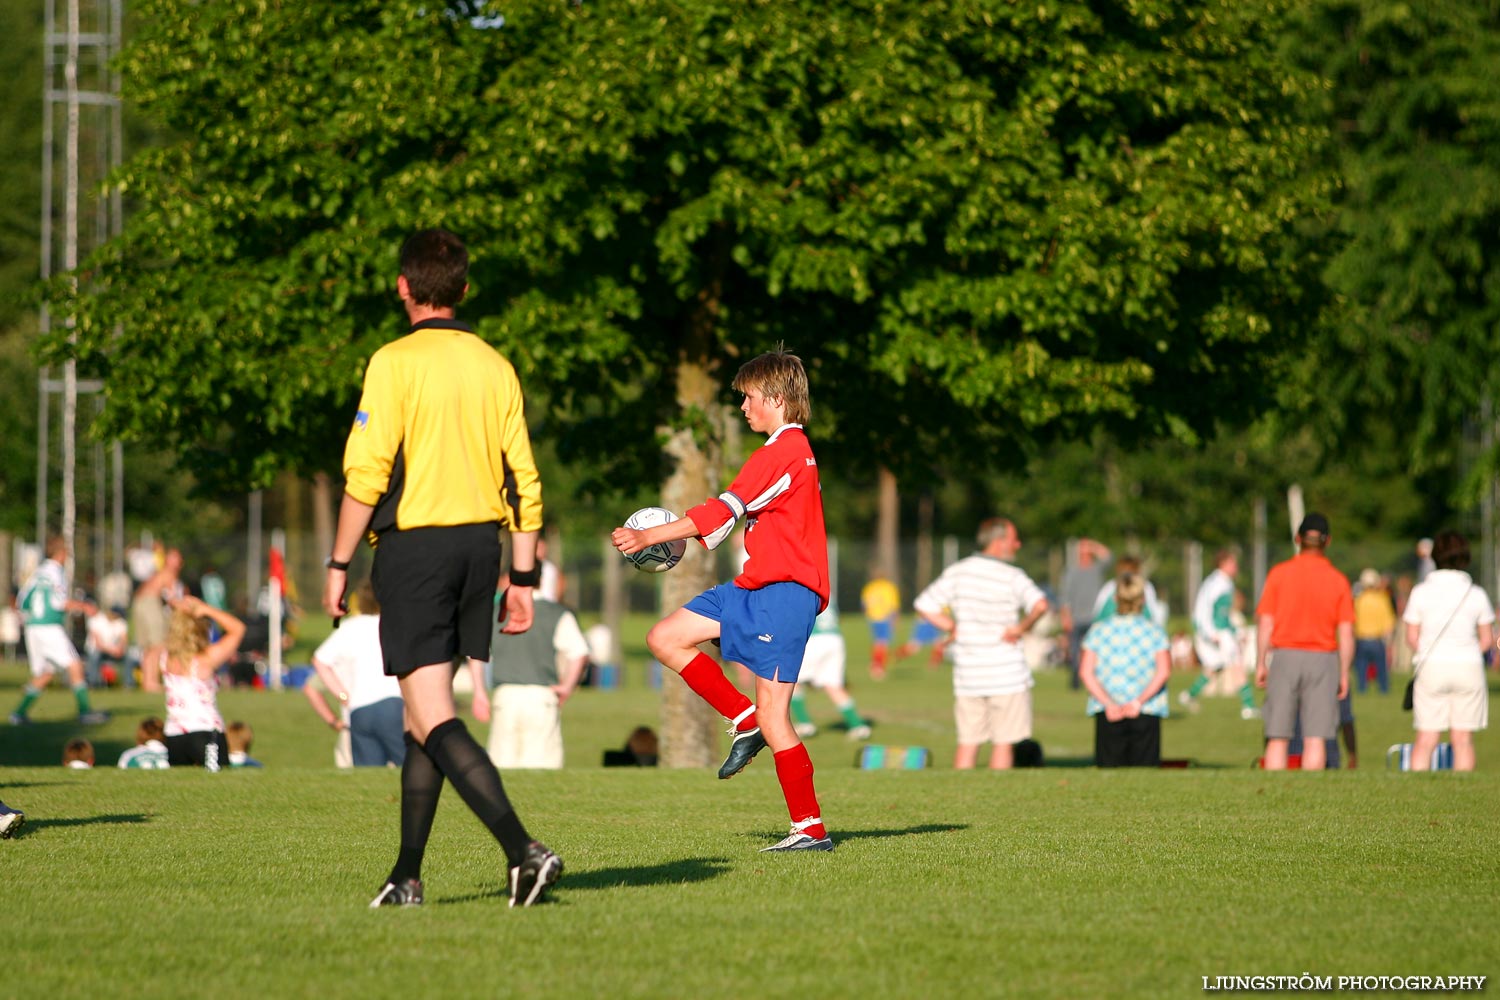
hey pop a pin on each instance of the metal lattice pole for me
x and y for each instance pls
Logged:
(80, 86)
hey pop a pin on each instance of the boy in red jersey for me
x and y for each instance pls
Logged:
(765, 615)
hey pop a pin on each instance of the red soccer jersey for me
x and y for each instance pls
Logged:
(778, 492)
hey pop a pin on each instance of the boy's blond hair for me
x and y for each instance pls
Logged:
(777, 373)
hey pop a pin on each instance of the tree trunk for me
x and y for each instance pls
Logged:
(322, 504)
(924, 542)
(690, 728)
(888, 528)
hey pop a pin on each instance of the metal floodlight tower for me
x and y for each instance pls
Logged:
(81, 90)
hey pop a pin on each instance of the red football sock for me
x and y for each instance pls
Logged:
(709, 683)
(795, 772)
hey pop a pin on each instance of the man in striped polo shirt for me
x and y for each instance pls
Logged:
(988, 604)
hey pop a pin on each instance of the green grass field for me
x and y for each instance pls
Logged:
(1063, 881)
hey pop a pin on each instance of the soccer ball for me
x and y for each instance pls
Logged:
(662, 556)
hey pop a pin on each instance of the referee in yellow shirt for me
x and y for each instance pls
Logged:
(438, 462)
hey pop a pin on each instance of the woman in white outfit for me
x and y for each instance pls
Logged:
(1450, 623)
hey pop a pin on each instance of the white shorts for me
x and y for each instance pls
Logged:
(823, 661)
(525, 727)
(1450, 696)
(1217, 653)
(49, 649)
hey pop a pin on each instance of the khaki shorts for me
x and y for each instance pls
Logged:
(1302, 684)
(525, 727)
(995, 718)
(1450, 696)
(148, 621)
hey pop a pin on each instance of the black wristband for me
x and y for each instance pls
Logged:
(333, 563)
(526, 578)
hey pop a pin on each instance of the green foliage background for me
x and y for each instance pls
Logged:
(1248, 244)
(1001, 223)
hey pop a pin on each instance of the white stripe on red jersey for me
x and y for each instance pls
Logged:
(785, 538)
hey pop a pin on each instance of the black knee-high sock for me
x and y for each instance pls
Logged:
(421, 784)
(464, 762)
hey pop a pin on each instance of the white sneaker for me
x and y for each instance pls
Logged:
(805, 730)
(1188, 702)
(10, 821)
(1247, 713)
(799, 841)
(859, 732)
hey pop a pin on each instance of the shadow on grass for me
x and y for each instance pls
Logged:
(35, 824)
(671, 873)
(26, 784)
(40, 743)
(841, 835)
(1063, 763)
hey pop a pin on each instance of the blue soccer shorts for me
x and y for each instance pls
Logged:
(765, 629)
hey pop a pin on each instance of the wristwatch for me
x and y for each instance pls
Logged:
(333, 563)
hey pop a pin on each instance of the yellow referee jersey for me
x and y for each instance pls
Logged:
(440, 437)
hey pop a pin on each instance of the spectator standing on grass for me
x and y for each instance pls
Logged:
(1374, 625)
(1081, 584)
(44, 604)
(1125, 665)
(438, 461)
(988, 604)
(188, 666)
(534, 674)
(1305, 639)
(149, 752)
(881, 602)
(352, 668)
(1216, 641)
(150, 612)
(1425, 564)
(1450, 623)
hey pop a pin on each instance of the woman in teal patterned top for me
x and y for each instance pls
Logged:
(1124, 668)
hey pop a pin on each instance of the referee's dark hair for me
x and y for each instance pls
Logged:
(435, 264)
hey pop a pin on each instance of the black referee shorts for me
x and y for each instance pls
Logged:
(436, 588)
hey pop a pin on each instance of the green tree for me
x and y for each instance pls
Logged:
(984, 225)
(1417, 268)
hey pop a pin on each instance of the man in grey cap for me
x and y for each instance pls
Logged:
(1305, 630)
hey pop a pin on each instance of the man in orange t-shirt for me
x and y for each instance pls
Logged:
(1305, 628)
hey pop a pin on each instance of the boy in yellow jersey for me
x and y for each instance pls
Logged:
(438, 461)
(881, 602)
